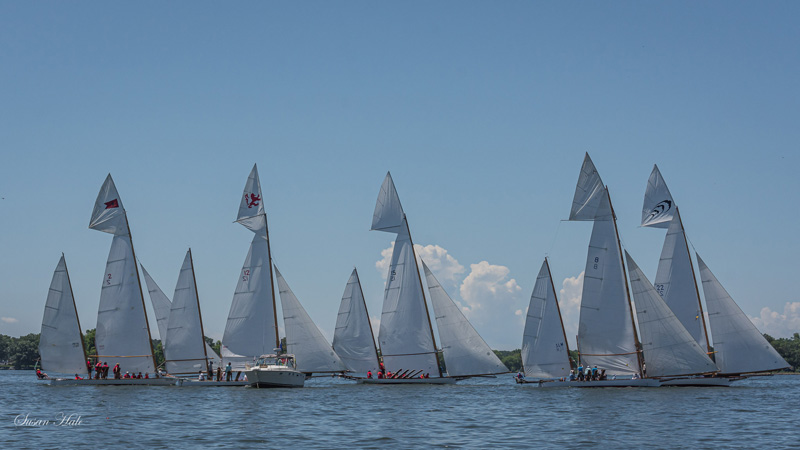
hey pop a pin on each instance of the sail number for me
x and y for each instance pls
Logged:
(660, 288)
(108, 279)
(596, 260)
(245, 275)
(393, 274)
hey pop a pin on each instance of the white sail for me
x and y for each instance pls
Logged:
(606, 335)
(739, 346)
(185, 353)
(589, 192)
(405, 336)
(544, 346)
(303, 338)
(676, 283)
(108, 214)
(61, 342)
(251, 208)
(161, 305)
(465, 352)
(668, 348)
(251, 329)
(353, 340)
(388, 215)
(122, 333)
(658, 207)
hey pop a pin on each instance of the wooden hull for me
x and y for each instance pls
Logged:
(700, 381)
(389, 381)
(641, 382)
(115, 382)
(198, 383)
(275, 378)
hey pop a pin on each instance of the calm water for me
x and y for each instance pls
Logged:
(759, 413)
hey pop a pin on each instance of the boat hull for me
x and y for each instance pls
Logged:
(700, 381)
(115, 382)
(275, 378)
(198, 383)
(641, 382)
(438, 380)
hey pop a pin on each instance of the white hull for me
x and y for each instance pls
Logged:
(198, 383)
(438, 380)
(700, 381)
(115, 382)
(641, 382)
(283, 377)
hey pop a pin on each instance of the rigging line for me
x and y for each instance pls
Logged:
(555, 238)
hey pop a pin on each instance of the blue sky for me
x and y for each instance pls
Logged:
(482, 111)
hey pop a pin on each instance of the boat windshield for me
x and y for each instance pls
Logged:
(283, 360)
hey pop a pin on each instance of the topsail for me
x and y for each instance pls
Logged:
(658, 207)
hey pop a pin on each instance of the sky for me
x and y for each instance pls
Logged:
(482, 111)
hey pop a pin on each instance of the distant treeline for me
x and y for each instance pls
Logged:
(23, 352)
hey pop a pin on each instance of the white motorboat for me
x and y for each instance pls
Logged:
(273, 371)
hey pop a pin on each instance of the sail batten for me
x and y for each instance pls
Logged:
(303, 337)
(465, 352)
(739, 346)
(61, 345)
(353, 340)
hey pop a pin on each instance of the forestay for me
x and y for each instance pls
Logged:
(186, 353)
(405, 336)
(388, 215)
(606, 336)
(251, 329)
(303, 338)
(668, 348)
(251, 209)
(676, 283)
(122, 334)
(353, 340)
(658, 208)
(465, 352)
(589, 192)
(739, 346)
(61, 342)
(544, 347)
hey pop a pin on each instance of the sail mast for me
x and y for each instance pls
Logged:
(77, 319)
(627, 288)
(199, 314)
(371, 332)
(424, 299)
(558, 308)
(696, 289)
(141, 295)
(272, 283)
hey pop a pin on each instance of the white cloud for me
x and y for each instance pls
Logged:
(386, 259)
(487, 284)
(779, 324)
(9, 319)
(441, 263)
(569, 302)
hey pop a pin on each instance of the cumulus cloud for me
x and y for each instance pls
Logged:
(441, 263)
(486, 284)
(9, 319)
(778, 324)
(386, 259)
(569, 302)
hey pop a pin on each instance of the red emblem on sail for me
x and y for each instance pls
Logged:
(252, 201)
(112, 204)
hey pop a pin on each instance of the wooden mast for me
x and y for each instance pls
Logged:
(369, 322)
(77, 319)
(627, 289)
(558, 308)
(141, 295)
(271, 281)
(199, 314)
(696, 289)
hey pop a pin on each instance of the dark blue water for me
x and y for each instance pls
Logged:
(759, 413)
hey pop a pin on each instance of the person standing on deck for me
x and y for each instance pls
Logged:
(104, 369)
(210, 370)
(228, 371)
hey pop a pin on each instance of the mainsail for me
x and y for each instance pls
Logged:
(303, 338)
(406, 336)
(353, 340)
(658, 207)
(252, 326)
(545, 353)
(465, 352)
(123, 335)
(589, 192)
(606, 333)
(739, 346)
(668, 348)
(61, 344)
(186, 352)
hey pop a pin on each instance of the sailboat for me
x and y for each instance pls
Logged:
(252, 327)
(353, 339)
(162, 306)
(676, 283)
(545, 351)
(303, 338)
(61, 344)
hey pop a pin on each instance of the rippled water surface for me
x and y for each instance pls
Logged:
(761, 413)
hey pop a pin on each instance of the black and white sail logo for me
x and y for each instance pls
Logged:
(660, 210)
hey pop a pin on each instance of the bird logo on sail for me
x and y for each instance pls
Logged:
(112, 204)
(252, 200)
(660, 209)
